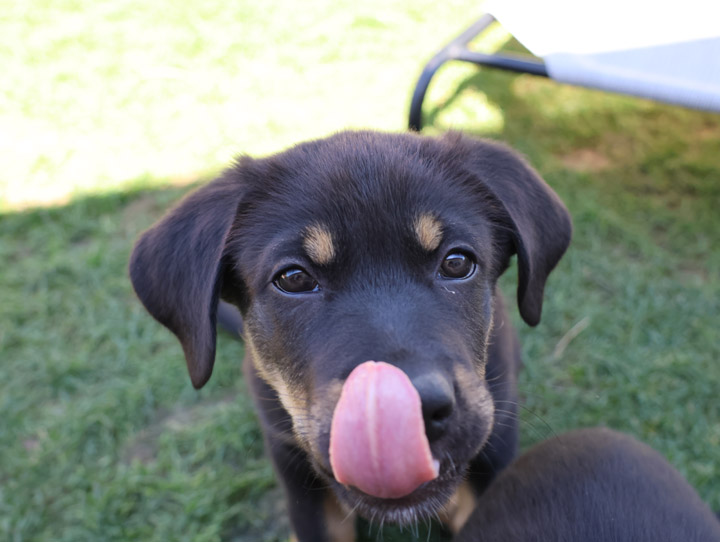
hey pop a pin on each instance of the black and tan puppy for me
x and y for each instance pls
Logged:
(359, 248)
(591, 485)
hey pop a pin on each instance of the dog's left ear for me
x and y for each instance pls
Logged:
(540, 223)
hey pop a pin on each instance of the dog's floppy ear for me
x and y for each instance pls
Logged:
(176, 269)
(540, 223)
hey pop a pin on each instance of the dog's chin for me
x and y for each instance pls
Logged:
(423, 503)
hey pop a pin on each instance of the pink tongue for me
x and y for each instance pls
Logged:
(377, 438)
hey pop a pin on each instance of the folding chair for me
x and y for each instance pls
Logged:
(664, 51)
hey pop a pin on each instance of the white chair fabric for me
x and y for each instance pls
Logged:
(667, 51)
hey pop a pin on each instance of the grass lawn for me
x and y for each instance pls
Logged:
(111, 111)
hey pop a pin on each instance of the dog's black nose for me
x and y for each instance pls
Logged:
(438, 402)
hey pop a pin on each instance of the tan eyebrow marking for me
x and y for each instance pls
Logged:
(428, 231)
(318, 243)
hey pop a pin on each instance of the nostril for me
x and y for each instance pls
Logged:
(441, 413)
(436, 414)
(438, 403)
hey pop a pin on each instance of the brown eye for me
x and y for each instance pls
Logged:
(295, 281)
(457, 265)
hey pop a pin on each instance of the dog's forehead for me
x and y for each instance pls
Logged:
(323, 240)
(364, 196)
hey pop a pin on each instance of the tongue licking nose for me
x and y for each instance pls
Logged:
(377, 439)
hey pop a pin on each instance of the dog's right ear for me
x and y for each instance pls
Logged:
(176, 268)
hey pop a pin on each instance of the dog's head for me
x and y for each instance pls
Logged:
(362, 246)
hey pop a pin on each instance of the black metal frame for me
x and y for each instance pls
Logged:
(457, 50)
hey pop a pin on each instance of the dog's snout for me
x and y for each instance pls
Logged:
(438, 403)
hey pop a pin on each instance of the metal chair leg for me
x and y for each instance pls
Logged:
(457, 50)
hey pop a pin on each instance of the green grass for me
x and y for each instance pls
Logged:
(109, 110)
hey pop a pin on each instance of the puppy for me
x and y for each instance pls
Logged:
(593, 485)
(377, 255)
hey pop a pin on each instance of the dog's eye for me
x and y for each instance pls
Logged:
(295, 281)
(457, 265)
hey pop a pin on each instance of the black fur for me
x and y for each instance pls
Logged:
(592, 485)
(380, 297)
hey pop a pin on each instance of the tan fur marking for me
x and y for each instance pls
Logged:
(488, 334)
(321, 406)
(458, 509)
(340, 524)
(318, 243)
(477, 395)
(429, 231)
(295, 406)
(255, 356)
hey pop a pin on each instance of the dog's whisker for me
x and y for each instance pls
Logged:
(538, 432)
(500, 376)
(484, 455)
(491, 446)
(351, 513)
(381, 530)
(371, 520)
(510, 401)
(501, 424)
(508, 412)
(524, 409)
(538, 417)
(453, 468)
(292, 460)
